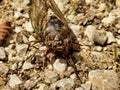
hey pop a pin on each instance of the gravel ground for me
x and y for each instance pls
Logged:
(96, 26)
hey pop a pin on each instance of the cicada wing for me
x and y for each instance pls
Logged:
(38, 15)
(53, 6)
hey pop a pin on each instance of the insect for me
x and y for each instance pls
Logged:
(4, 30)
(53, 31)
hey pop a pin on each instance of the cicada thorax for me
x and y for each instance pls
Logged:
(56, 36)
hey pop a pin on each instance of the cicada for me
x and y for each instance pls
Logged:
(53, 31)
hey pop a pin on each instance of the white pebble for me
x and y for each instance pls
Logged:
(13, 66)
(26, 2)
(17, 15)
(102, 6)
(73, 76)
(99, 48)
(18, 29)
(14, 80)
(118, 42)
(60, 4)
(75, 29)
(108, 20)
(60, 65)
(31, 38)
(27, 65)
(28, 26)
(2, 53)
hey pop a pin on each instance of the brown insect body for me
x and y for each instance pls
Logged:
(57, 37)
(4, 30)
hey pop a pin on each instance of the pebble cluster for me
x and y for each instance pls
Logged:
(96, 25)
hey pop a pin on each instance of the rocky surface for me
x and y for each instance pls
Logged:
(24, 64)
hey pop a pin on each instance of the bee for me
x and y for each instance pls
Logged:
(53, 31)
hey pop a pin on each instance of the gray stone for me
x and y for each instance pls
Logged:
(103, 80)
(63, 84)
(60, 65)
(98, 56)
(14, 80)
(100, 37)
(95, 36)
(2, 53)
(90, 31)
(21, 49)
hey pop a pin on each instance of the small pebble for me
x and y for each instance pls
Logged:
(108, 20)
(14, 80)
(102, 7)
(17, 14)
(50, 74)
(63, 84)
(99, 48)
(42, 86)
(21, 49)
(60, 65)
(26, 2)
(75, 29)
(90, 30)
(27, 65)
(89, 2)
(18, 29)
(60, 4)
(111, 38)
(73, 76)
(31, 38)
(2, 53)
(3, 68)
(13, 66)
(118, 42)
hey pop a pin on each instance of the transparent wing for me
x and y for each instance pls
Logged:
(53, 6)
(38, 14)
